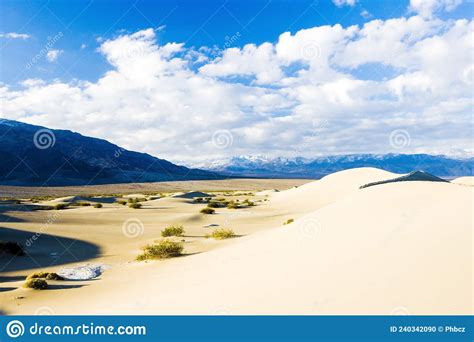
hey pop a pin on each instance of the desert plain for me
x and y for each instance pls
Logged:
(311, 247)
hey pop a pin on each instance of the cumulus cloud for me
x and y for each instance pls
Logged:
(427, 8)
(317, 91)
(52, 55)
(14, 35)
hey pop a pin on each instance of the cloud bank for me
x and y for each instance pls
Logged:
(322, 90)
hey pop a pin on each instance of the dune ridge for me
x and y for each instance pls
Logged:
(400, 246)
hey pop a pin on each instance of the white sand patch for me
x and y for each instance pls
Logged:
(134, 196)
(83, 272)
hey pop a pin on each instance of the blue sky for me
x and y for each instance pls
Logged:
(197, 23)
(279, 78)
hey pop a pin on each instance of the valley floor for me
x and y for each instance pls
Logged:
(397, 248)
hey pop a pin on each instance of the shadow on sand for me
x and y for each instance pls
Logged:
(44, 251)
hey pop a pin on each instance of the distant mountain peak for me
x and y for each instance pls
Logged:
(317, 167)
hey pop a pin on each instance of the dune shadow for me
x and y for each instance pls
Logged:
(105, 200)
(6, 289)
(44, 250)
(6, 279)
(63, 286)
(8, 218)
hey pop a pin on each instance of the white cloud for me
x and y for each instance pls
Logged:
(52, 55)
(427, 8)
(305, 94)
(365, 14)
(14, 35)
(340, 3)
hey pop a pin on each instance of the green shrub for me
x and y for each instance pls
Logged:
(222, 233)
(98, 205)
(173, 231)
(162, 250)
(233, 205)
(213, 205)
(208, 211)
(54, 276)
(60, 206)
(45, 275)
(135, 205)
(122, 202)
(81, 204)
(249, 203)
(289, 221)
(36, 283)
(11, 247)
(43, 207)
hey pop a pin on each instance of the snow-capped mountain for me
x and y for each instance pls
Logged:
(299, 167)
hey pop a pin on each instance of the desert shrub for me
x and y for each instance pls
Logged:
(222, 233)
(43, 207)
(98, 205)
(214, 205)
(122, 202)
(207, 211)
(45, 275)
(60, 206)
(173, 231)
(36, 283)
(249, 203)
(233, 205)
(135, 205)
(198, 200)
(289, 221)
(54, 276)
(11, 247)
(81, 204)
(161, 250)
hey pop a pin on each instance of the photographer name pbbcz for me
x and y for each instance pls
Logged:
(427, 329)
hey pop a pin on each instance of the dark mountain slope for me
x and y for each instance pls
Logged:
(34, 155)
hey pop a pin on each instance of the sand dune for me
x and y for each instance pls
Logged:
(398, 247)
(469, 180)
(314, 195)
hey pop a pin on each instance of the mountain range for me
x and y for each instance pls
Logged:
(37, 156)
(34, 155)
(299, 167)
